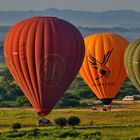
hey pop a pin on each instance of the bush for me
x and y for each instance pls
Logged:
(69, 134)
(87, 94)
(68, 103)
(14, 135)
(90, 135)
(33, 133)
(61, 122)
(69, 100)
(137, 138)
(16, 126)
(73, 121)
(22, 101)
(5, 104)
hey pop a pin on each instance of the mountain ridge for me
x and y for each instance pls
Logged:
(79, 18)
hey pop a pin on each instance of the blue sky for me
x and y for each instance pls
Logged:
(86, 5)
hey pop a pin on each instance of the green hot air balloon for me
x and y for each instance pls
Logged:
(132, 62)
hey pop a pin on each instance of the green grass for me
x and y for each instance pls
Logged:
(3, 66)
(79, 133)
(29, 117)
(115, 125)
(126, 114)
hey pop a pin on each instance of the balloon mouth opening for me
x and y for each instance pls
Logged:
(42, 114)
(107, 101)
(42, 111)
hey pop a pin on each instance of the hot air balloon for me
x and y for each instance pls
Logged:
(44, 55)
(103, 67)
(132, 62)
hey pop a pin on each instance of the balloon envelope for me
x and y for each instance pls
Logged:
(103, 66)
(44, 55)
(132, 62)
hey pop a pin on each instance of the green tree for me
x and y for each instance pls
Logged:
(69, 100)
(16, 126)
(8, 87)
(22, 101)
(73, 121)
(61, 121)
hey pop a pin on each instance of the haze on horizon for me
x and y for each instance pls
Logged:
(84, 5)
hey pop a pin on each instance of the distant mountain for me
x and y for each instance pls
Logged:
(121, 18)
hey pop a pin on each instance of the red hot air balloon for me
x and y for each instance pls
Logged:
(44, 55)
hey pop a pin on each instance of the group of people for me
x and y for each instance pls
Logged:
(105, 107)
(44, 122)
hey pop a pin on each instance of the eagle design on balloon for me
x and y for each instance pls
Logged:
(100, 66)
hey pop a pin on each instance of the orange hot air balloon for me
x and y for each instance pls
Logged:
(103, 67)
(44, 55)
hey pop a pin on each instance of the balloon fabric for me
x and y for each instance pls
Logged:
(44, 55)
(103, 67)
(132, 62)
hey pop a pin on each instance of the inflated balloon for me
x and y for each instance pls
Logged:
(44, 55)
(103, 67)
(132, 62)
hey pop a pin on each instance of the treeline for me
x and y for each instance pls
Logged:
(78, 94)
(10, 94)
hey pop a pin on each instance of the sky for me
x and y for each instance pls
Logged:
(84, 5)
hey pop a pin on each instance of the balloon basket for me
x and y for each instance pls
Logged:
(44, 122)
(107, 108)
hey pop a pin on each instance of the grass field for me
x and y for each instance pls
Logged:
(122, 123)
(2, 66)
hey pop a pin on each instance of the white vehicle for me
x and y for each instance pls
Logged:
(128, 98)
